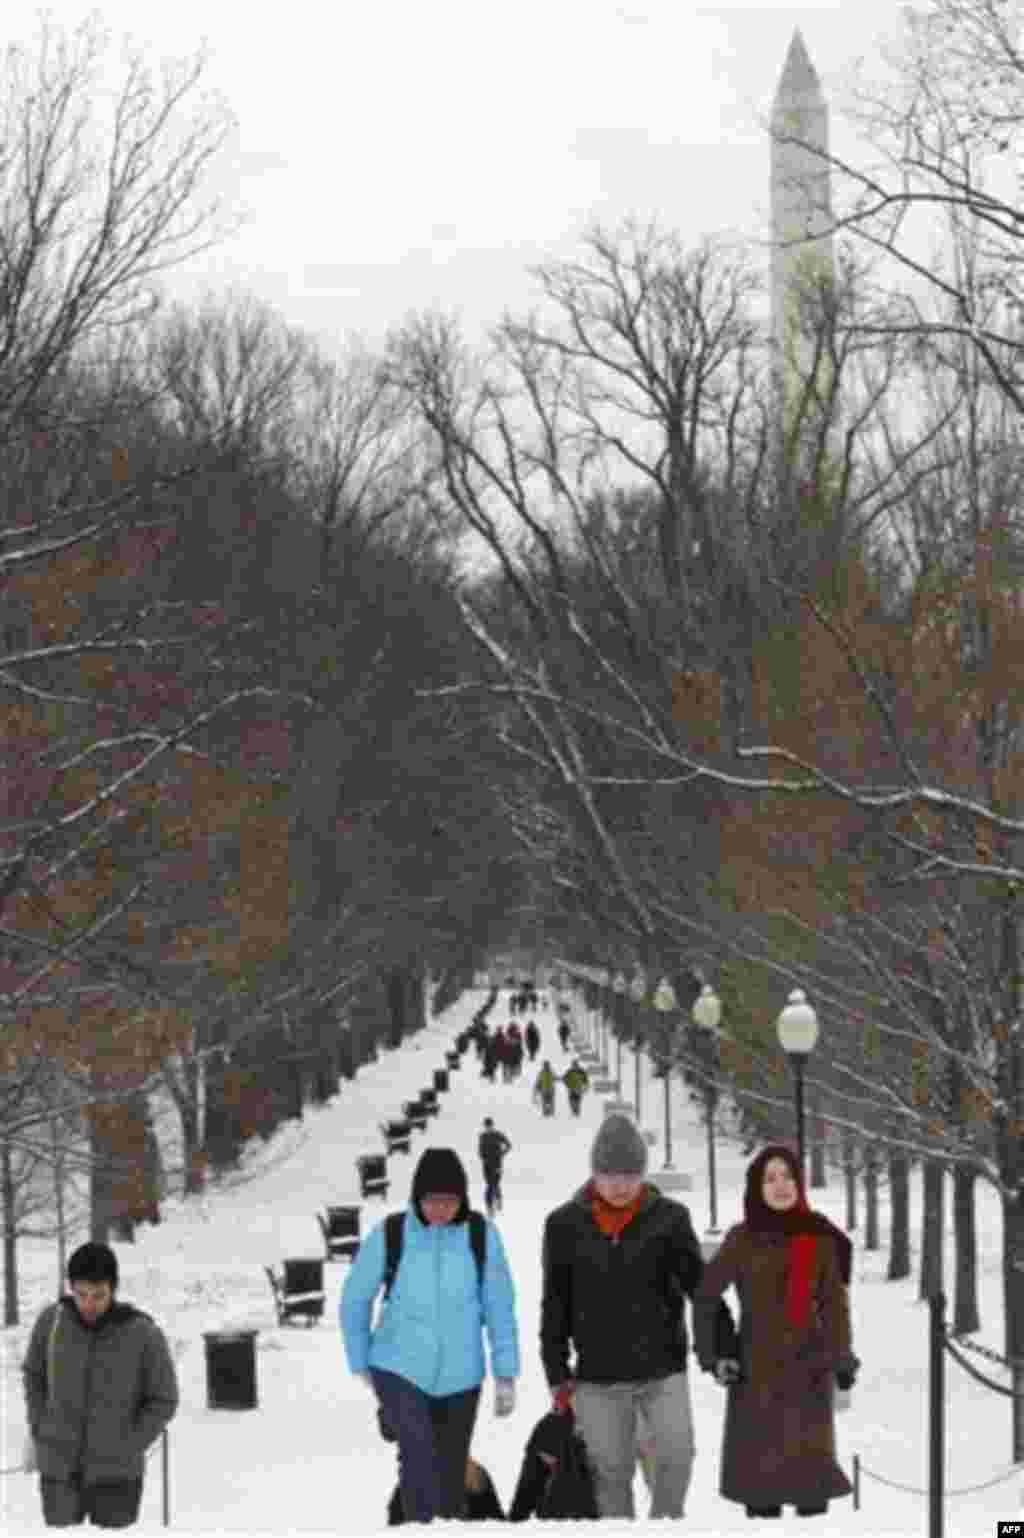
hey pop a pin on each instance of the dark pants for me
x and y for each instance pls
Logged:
(434, 1433)
(68, 1502)
(492, 1188)
(575, 1101)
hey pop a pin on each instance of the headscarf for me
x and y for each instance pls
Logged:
(800, 1223)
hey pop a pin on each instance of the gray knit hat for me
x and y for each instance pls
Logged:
(618, 1148)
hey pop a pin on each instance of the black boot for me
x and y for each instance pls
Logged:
(764, 1511)
(812, 1511)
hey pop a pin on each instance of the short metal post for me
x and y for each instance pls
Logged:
(937, 1388)
(856, 1481)
(165, 1469)
(798, 1065)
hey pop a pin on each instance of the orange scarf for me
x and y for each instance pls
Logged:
(612, 1220)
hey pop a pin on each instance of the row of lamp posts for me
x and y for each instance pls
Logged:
(797, 1029)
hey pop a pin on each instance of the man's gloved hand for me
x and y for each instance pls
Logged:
(504, 1396)
(846, 1373)
(727, 1371)
(561, 1397)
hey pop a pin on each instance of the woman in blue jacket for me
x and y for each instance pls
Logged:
(424, 1357)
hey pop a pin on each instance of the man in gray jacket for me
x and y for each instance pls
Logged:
(100, 1387)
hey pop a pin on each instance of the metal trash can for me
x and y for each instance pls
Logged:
(231, 1369)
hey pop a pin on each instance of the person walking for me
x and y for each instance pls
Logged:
(424, 1358)
(100, 1387)
(544, 1089)
(492, 1148)
(564, 1032)
(617, 1259)
(532, 1039)
(790, 1267)
(493, 1049)
(576, 1083)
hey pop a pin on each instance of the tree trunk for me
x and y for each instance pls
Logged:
(871, 1239)
(221, 1141)
(932, 1230)
(850, 1177)
(10, 1236)
(899, 1201)
(966, 1316)
(395, 990)
(183, 1087)
(58, 1202)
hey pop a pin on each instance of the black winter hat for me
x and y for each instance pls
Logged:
(440, 1170)
(93, 1262)
(618, 1148)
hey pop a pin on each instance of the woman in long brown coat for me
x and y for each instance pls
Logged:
(790, 1267)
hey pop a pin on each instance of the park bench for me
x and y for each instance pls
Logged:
(417, 1114)
(397, 1135)
(372, 1170)
(452, 1059)
(298, 1291)
(340, 1229)
(430, 1102)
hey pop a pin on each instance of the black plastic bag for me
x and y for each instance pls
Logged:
(570, 1490)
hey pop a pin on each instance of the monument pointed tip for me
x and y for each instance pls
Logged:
(799, 78)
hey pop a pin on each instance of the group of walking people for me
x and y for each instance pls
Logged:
(575, 1079)
(506, 1049)
(619, 1259)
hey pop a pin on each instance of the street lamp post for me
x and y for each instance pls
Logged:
(664, 1002)
(707, 1012)
(637, 989)
(619, 986)
(797, 1028)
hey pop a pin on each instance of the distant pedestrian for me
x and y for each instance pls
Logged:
(617, 1260)
(563, 1034)
(576, 1084)
(100, 1387)
(544, 1089)
(532, 1039)
(492, 1148)
(424, 1357)
(790, 1267)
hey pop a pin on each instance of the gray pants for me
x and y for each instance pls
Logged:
(606, 1417)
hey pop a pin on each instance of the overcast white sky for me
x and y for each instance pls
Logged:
(396, 154)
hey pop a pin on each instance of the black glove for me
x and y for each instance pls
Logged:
(727, 1371)
(846, 1373)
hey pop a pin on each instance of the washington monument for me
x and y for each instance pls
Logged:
(802, 255)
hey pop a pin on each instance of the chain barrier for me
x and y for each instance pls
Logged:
(985, 1351)
(20, 1468)
(956, 1350)
(999, 1388)
(916, 1489)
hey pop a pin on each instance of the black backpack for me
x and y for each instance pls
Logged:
(569, 1492)
(394, 1235)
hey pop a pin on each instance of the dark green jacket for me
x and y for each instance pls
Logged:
(114, 1389)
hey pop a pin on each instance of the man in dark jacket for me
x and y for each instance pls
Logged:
(492, 1147)
(100, 1387)
(617, 1260)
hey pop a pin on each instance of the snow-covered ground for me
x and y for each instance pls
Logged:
(309, 1459)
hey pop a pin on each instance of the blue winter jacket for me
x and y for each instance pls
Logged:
(429, 1330)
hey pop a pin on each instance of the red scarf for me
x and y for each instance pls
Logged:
(802, 1249)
